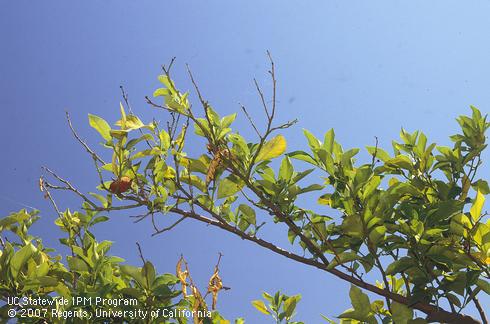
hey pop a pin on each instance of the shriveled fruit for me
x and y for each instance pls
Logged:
(120, 185)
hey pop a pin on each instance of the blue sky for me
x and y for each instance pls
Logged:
(365, 68)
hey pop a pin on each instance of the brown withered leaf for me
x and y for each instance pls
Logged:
(199, 304)
(214, 286)
(219, 155)
(213, 167)
(182, 275)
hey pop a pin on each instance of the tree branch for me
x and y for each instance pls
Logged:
(433, 313)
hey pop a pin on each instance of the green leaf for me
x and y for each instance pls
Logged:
(371, 186)
(312, 187)
(290, 305)
(313, 142)
(47, 281)
(482, 186)
(134, 273)
(271, 149)
(377, 234)
(360, 302)
(342, 258)
(100, 125)
(483, 285)
(167, 82)
(148, 272)
(228, 187)
(227, 120)
(329, 141)
(14, 218)
(77, 264)
(286, 170)
(248, 214)
(260, 306)
(399, 265)
(400, 313)
(302, 156)
(400, 161)
(20, 258)
(99, 219)
(163, 92)
(164, 139)
(380, 153)
(460, 224)
(133, 292)
(477, 207)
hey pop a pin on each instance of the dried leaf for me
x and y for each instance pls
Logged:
(199, 304)
(213, 167)
(214, 286)
(182, 275)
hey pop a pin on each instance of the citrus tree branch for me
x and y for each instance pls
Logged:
(433, 313)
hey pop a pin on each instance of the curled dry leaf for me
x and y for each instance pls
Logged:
(214, 286)
(182, 275)
(216, 162)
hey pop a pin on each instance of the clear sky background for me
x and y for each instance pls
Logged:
(365, 68)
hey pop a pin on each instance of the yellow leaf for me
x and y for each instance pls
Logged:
(272, 149)
(477, 207)
(325, 200)
(260, 306)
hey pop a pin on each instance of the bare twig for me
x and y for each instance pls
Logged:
(69, 187)
(47, 194)
(262, 98)
(165, 69)
(272, 72)
(87, 148)
(126, 99)
(159, 231)
(250, 120)
(373, 162)
(140, 252)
